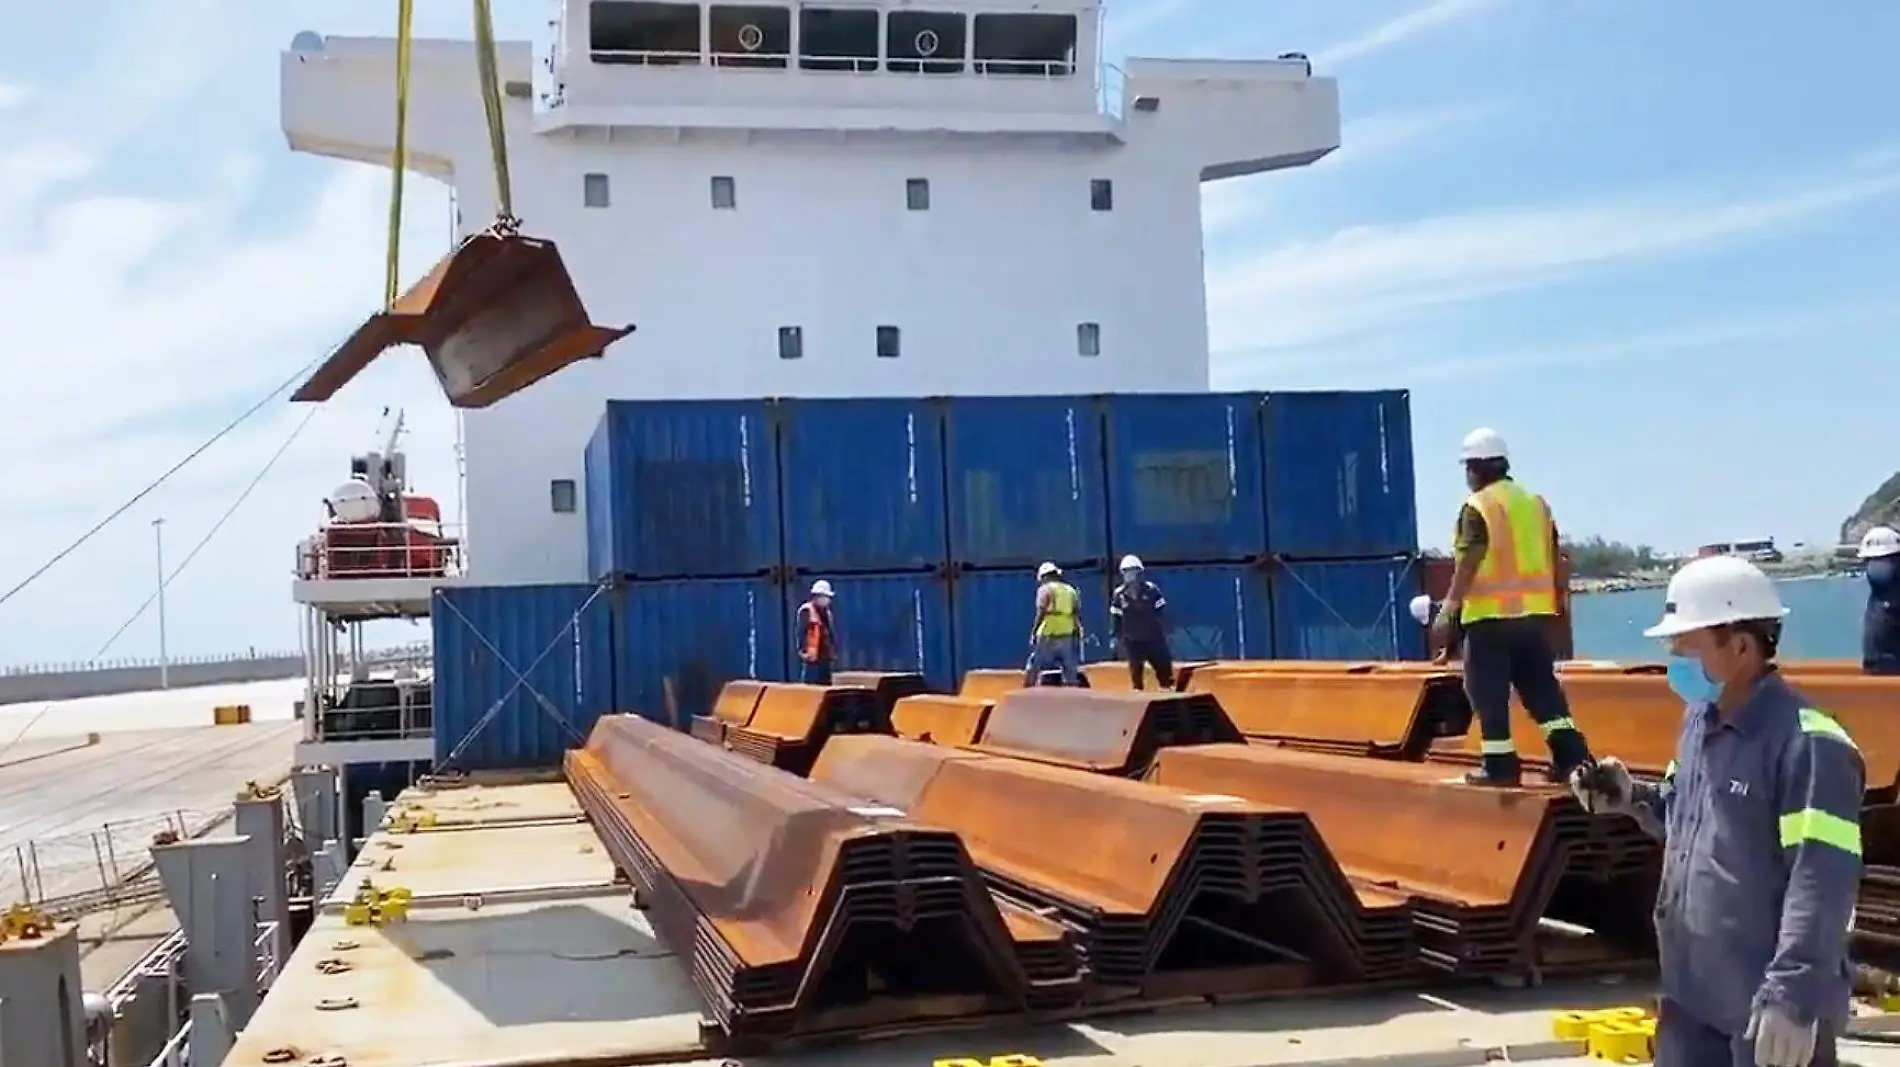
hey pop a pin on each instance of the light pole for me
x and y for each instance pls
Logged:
(164, 657)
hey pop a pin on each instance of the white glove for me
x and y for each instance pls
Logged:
(1779, 1040)
(1604, 787)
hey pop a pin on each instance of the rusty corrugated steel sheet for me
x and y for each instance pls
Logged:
(941, 720)
(791, 722)
(1105, 732)
(1482, 867)
(735, 705)
(1174, 894)
(497, 315)
(1113, 674)
(1356, 709)
(989, 683)
(797, 909)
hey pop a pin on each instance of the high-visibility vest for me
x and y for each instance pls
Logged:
(1061, 621)
(1518, 576)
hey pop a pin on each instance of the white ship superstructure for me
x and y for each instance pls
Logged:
(821, 200)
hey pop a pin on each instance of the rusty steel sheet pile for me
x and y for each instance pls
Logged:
(989, 684)
(890, 686)
(798, 911)
(497, 315)
(1484, 868)
(1635, 717)
(1877, 915)
(791, 722)
(941, 720)
(1105, 732)
(737, 702)
(1352, 709)
(1173, 894)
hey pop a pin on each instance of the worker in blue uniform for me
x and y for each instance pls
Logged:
(1760, 818)
(1880, 624)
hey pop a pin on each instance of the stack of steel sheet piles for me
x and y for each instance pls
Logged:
(890, 686)
(1877, 915)
(800, 910)
(1486, 869)
(738, 700)
(1353, 709)
(791, 723)
(1104, 732)
(957, 722)
(1174, 895)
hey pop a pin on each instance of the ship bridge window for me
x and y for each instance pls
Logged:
(643, 34)
(1040, 46)
(832, 38)
(750, 35)
(924, 42)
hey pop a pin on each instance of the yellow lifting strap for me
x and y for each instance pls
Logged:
(490, 67)
(399, 163)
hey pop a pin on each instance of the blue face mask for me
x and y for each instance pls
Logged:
(1690, 682)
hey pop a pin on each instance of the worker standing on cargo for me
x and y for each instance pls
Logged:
(1503, 597)
(1136, 625)
(1759, 813)
(1880, 626)
(1055, 638)
(817, 641)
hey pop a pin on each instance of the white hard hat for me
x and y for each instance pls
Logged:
(1422, 609)
(821, 588)
(1879, 543)
(1131, 563)
(1047, 569)
(1715, 591)
(1483, 443)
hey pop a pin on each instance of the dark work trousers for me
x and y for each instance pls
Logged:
(1150, 654)
(814, 673)
(1682, 1040)
(1506, 654)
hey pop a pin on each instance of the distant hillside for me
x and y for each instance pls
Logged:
(1881, 508)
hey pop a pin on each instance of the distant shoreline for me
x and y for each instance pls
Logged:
(1792, 571)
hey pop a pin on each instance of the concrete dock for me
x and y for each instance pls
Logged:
(73, 814)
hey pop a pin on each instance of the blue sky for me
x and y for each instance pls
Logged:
(1653, 244)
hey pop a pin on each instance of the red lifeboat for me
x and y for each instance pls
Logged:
(372, 536)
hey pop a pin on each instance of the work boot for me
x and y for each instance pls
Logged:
(1568, 751)
(1495, 781)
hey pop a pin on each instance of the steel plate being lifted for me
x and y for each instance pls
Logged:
(497, 315)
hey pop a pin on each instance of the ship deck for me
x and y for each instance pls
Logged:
(519, 950)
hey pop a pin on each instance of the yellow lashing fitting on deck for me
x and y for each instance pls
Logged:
(374, 907)
(404, 822)
(1615, 1035)
(23, 922)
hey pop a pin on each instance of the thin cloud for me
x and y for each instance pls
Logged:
(1417, 22)
(1368, 278)
(1147, 18)
(1350, 366)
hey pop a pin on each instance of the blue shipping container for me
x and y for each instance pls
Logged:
(862, 482)
(1339, 474)
(994, 609)
(694, 637)
(1184, 477)
(1024, 480)
(892, 622)
(680, 489)
(1216, 610)
(1356, 609)
(539, 658)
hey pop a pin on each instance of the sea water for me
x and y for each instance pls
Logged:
(1823, 621)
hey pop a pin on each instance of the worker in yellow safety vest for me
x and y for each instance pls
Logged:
(1055, 639)
(1502, 597)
